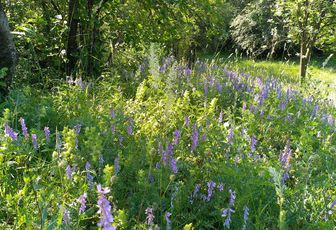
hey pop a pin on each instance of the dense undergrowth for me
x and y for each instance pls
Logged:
(203, 148)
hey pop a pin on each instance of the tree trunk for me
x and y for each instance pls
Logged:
(8, 55)
(305, 54)
(306, 43)
(303, 61)
(72, 49)
(91, 36)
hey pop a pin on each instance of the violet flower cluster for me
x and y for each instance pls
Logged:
(82, 201)
(24, 128)
(149, 216)
(10, 132)
(230, 210)
(104, 211)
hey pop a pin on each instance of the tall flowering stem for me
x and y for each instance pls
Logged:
(104, 211)
(89, 176)
(34, 139)
(246, 215)
(194, 138)
(47, 133)
(24, 128)
(82, 201)
(227, 214)
(68, 171)
(228, 211)
(149, 216)
(253, 143)
(66, 216)
(211, 186)
(10, 132)
(285, 161)
(167, 217)
(230, 136)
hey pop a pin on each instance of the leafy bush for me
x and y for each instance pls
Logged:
(257, 31)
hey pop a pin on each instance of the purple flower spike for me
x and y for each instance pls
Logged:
(167, 217)
(77, 128)
(196, 190)
(227, 213)
(10, 132)
(244, 106)
(173, 166)
(66, 216)
(24, 128)
(203, 137)
(232, 197)
(150, 216)
(104, 205)
(82, 201)
(220, 187)
(89, 177)
(130, 127)
(68, 171)
(34, 139)
(195, 193)
(113, 128)
(220, 118)
(112, 114)
(121, 140)
(219, 87)
(285, 156)
(187, 121)
(230, 136)
(47, 133)
(285, 161)
(206, 89)
(246, 215)
(211, 187)
(253, 143)
(194, 138)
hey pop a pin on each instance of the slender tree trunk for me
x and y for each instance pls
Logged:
(8, 54)
(91, 35)
(72, 49)
(303, 61)
(306, 44)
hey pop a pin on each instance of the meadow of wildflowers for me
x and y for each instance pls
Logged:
(193, 148)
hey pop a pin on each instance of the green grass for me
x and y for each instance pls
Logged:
(238, 133)
(286, 70)
(320, 70)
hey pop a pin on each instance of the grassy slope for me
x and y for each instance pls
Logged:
(284, 70)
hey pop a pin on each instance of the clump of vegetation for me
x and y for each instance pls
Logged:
(113, 118)
(203, 147)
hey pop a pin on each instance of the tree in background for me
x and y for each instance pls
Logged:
(72, 44)
(257, 31)
(7, 53)
(310, 23)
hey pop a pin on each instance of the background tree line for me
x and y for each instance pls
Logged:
(92, 38)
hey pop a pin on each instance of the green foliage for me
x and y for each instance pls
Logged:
(174, 142)
(126, 150)
(316, 19)
(257, 31)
